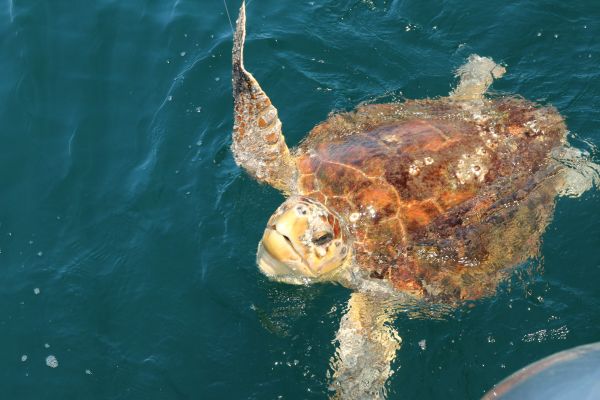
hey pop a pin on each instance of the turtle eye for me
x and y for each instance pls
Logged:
(322, 238)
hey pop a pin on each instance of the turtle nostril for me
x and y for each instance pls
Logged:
(301, 210)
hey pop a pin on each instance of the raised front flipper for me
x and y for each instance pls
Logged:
(367, 345)
(258, 144)
(476, 76)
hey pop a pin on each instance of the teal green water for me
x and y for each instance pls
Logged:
(122, 208)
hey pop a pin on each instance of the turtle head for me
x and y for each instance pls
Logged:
(303, 242)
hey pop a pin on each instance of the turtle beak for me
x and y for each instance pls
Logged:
(280, 246)
(278, 257)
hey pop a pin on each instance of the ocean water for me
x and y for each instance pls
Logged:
(128, 234)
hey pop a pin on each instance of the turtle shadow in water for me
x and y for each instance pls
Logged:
(283, 308)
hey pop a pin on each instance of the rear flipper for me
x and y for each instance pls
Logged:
(476, 76)
(580, 175)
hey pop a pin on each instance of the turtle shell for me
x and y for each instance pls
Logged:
(440, 198)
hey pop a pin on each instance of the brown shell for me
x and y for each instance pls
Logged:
(439, 199)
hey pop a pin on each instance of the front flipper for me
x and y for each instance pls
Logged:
(258, 144)
(476, 76)
(367, 345)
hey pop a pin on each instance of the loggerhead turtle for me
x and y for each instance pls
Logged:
(427, 200)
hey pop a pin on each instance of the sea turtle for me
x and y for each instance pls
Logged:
(429, 201)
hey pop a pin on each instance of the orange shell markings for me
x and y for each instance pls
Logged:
(421, 178)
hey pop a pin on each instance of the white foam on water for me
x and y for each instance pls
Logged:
(51, 361)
